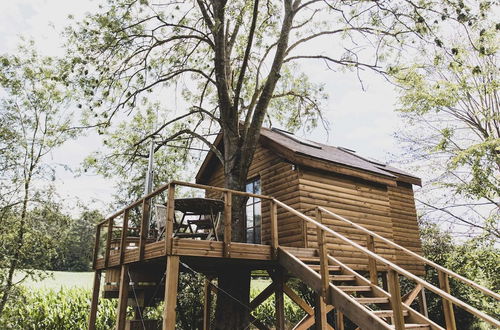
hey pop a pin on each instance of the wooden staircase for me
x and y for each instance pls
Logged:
(352, 294)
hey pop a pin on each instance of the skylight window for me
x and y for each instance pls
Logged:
(295, 138)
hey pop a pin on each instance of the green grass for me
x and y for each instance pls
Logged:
(58, 280)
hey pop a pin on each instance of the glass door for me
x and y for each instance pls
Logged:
(253, 212)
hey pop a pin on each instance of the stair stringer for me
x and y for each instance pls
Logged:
(339, 299)
(413, 315)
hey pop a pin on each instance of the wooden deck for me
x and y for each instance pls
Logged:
(189, 247)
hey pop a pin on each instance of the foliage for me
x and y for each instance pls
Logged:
(34, 120)
(476, 259)
(57, 310)
(450, 102)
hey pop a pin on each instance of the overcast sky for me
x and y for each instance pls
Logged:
(361, 120)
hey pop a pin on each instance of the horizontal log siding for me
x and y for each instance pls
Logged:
(359, 201)
(277, 180)
(404, 219)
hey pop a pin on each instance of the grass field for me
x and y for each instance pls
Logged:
(57, 280)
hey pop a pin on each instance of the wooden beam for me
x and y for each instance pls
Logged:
(259, 325)
(422, 304)
(372, 263)
(169, 230)
(410, 296)
(397, 307)
(323, 259)
(262, 296)
(274, 229)
(96, 245)
(144, 227)
(320, 313)
(108, 241)
(298, 300)
(207, 301)
(171, 282)
(449, 315)
(228, 200)
(279, 301)
(95, 300)
(339, 321)
(121, 314)
(123, 239)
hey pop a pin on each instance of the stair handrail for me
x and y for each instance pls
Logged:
(415, 255)
(393, 266)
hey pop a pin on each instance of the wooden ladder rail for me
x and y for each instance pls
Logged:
(393, 266)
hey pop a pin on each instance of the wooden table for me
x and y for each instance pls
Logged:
(208, 212)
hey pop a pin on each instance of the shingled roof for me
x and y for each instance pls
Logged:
(318, 155)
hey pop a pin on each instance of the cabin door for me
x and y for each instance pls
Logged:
(253, 212)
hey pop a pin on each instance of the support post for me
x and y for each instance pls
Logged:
(121, 314)
(95, 299)
(228, 200)
(323, 259)
(171, 281)
(108, 241)
(96, 245)
(169, 230)
(449, 315)
(320, 313)
(372, 263)
(123, 239)
(274, 229)
(279, 300)
(397, 307)
(339, 322)
(422, 303)
(207, 302)
(144, 227)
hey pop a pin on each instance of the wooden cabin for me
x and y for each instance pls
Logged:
(342, 224)
(306, 174)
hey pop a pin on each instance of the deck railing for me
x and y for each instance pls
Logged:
(393, 270)
(142, 209)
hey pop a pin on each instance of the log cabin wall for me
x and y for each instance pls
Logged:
(278, 179)
(404, 219)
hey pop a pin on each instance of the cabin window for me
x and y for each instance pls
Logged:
(253, 212)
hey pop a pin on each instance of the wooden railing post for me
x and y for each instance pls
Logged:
(144, 227)
(274, 229)
(95, 300)
(396, 304)
(123, 239)
(96, 245)
(169, 230)
(228, 200)
(323, 259)
(449, 315)
(372, 263)
(108, 241)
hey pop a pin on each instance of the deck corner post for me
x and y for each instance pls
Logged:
(123, 239)
(279, 299)
(169, 230)
(396, 304)
(144, 226)
(109, 236)
(121, 314)
(274, 229)
(207, 302)
(449, 315)
(96, 245)
(339, 321)
(320, 312)
(170, 300)
(228, 200)
(95, 299)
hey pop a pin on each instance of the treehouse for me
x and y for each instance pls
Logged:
(343, 224)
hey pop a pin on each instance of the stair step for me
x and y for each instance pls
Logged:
(330, 268)
(342, 278)
(309, 259)
(415, 326)
(372, 300)
(387, 313)
(355, 288)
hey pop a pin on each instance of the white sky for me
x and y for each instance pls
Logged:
(363, 121)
